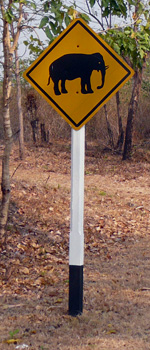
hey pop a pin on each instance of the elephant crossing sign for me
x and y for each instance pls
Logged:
(76, 65)
(78, 73)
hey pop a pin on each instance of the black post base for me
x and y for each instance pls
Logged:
(75, 290)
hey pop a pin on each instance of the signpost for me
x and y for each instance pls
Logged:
(77, 74)
(76, 244)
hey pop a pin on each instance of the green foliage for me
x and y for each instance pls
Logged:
(9, 16)
(34, 45)
(130, 44)
(92, 2)
(102, 193)
(11, 9)
(85, 17)
(12, 333)
(57, 18)
(114, 7)
(43, 22)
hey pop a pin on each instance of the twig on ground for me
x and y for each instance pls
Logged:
(15, 170)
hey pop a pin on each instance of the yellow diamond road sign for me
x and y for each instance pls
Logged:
(78, 73)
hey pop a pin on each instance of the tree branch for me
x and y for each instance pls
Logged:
(91, 14)
(16, 36)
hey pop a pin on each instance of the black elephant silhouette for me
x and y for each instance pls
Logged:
(73, 66)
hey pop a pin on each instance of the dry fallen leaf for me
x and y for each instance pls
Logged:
(35, 245)
(24, 270)
(11, 341)
(21, 246)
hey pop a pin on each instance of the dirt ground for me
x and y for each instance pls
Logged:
(34, 267)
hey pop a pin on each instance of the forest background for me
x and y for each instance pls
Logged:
(36, 172)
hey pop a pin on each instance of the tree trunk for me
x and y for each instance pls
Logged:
(121, 132)
(110, 132)
(43, 133)
(35, 129)
(8, 49)
(5, 187)
(5, 184)
(137, 80)
(21, 134)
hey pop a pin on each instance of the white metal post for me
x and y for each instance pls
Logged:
(76, 242)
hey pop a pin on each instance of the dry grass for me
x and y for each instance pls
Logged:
(34, 269)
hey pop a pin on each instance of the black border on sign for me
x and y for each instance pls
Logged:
(103, 99)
